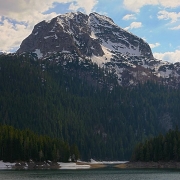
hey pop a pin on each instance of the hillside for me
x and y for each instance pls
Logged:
(97, 38)
(161, 148)
(85, 80)
(25, 145)
(67, 101)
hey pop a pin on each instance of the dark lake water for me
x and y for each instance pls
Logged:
(97, 174)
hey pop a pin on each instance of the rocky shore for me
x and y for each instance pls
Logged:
(42, 165)
(146, 165)
(36, 165)
(86, 165)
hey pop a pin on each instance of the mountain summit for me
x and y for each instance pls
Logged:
(65, 81)
(98, 38)
(92, 36)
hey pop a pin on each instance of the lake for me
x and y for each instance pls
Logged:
(91, 174)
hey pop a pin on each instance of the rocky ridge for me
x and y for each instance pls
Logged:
(97, 38)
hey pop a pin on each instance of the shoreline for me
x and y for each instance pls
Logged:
(149, 165)
(88, 165)
(41, 165)
(58, 165)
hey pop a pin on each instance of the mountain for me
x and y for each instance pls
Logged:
(1, 53)
(69, 102)
(89, 82)
(89, 36)
(98, 38)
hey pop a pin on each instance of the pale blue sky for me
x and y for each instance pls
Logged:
(156, 21)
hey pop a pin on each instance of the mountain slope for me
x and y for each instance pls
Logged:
(98, 38)
(67, 102)
(65, 80)
(94, 37)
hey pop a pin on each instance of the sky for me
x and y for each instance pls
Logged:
(156, 21)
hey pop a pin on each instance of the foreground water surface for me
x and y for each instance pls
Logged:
(96, 174)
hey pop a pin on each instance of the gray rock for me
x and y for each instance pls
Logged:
(83, 34)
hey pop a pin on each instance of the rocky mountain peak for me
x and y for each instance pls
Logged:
(89, 36)
(98, 38)
(101, 19)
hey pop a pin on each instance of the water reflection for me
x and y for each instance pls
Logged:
(96, 174)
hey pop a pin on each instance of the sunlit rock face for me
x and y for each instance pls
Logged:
(98, 38)
(93, 35)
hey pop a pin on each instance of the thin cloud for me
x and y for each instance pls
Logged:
(86, 5)
(11, 35)
(169, 56)
(129, 17)
(19, 9)
(165, 15)
(135, 6)
(175, 28)
(134, 25)
(154, 45)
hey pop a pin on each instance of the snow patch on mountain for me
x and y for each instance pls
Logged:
(92, 35)
(101, 60)
(101, 19)
(39, 54)
(6, 165)
(98, 38)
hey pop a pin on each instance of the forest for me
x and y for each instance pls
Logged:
(161, 148)
(23, 145)
(78, 104)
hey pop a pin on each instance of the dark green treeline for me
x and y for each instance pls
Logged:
(76, 102)
(160, 148)
(25, 145)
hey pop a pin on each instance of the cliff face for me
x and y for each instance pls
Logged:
(89, 36)
(98, 38)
